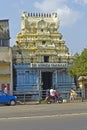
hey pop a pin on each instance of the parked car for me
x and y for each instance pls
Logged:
(7, 99)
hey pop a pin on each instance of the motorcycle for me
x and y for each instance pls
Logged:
(54, 99)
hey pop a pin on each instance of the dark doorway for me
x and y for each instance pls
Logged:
(46, 80)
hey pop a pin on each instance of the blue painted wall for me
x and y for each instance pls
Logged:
(27, 79)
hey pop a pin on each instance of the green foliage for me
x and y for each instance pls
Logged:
(40, 99)
(79, 66)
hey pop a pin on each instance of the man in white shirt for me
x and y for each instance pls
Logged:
(52, 92)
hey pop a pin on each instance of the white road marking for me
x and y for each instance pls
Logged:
(46, 116)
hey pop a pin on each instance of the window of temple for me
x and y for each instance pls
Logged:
(59, 59)
(43, 42)
(41, 30)
(46, 58)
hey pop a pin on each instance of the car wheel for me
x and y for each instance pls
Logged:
(12, 102)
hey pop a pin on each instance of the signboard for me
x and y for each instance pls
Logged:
(48, 65)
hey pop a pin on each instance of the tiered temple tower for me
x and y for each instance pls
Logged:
(40, 56)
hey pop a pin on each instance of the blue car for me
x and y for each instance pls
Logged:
(7, 99)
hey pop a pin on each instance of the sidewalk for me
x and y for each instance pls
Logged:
(37, 102)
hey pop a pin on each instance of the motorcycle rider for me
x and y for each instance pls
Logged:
(53, 96)
(52, 93)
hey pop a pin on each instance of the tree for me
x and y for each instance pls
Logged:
(79, 66)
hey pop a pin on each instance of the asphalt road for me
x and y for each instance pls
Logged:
(69, 116)
(47, 123)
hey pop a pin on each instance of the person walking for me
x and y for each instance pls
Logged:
(73, 94)
(5, 89)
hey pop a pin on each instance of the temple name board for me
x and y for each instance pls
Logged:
(48, 65)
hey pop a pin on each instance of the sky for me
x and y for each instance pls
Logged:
(72, 15)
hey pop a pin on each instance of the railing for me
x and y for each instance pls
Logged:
(27, 96)
(36, 95)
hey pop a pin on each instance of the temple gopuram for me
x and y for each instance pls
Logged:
(40, 56)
